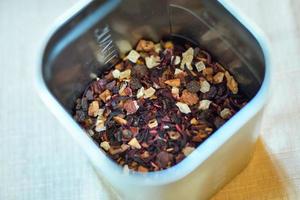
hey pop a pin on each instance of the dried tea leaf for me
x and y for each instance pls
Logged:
(187, 150)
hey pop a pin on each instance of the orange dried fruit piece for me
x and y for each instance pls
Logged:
(173, 82)
(218, 77)
(189, 98)
(231, 83)
(93, 109)
(145, 45)
(120, 120)
(105, 96)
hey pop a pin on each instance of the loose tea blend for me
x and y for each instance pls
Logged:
(156, 105)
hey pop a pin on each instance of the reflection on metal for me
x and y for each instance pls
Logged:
(107, 49)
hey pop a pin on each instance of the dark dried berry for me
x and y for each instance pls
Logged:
(218, 122)
(135, 83)
(193, 86)
(80, 115)
(163, 159)
(84, 104)
(89, 95)
(110, 85)
(139, 71)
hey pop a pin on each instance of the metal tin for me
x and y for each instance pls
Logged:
(73, 51)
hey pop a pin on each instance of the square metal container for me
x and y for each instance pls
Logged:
(75, 49)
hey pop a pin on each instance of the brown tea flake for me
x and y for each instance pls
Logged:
(168, 45)
(173, 82)
(189, 98)
(117, 150)
(174, 135)
(142, 169)
(218, 77)
(231, 83)
(93, 109)
(152, 123)
(145, 154)
(187, 150)
(208, 71)
(194, 121)
(145, 45)
(122, 88)
(120, 120)
(134, 143)
(130, 106)
(105, 96)
(200, 136)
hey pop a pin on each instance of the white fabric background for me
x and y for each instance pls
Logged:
(38, 160)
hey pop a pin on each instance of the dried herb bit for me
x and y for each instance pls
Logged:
(156, 105)
(193, 86)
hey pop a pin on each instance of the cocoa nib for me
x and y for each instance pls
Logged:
(158, 104)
